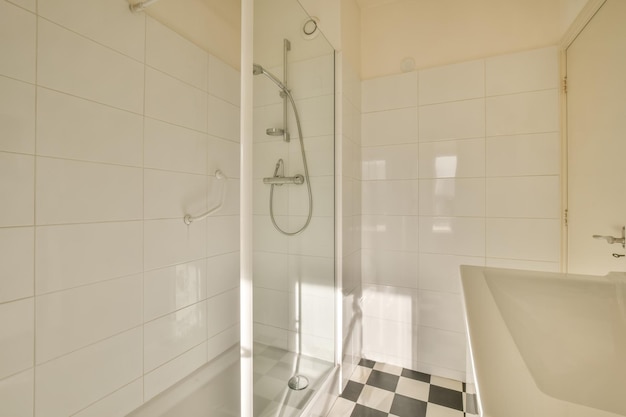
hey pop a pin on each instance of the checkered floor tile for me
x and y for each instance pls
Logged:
(381, 390)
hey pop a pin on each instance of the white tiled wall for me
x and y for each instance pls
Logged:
(460, 166)
(111, 129)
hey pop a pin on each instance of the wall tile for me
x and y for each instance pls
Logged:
(452, 235)
(17, 179)
(171, 242)
(318, 151)
(224, 81)
(117, 404)
(222, 341)
(323, 190)
(16, 394)
(391, 127)
(313, 77)
(73, 128)
(169, 52)
(225, 191)
(223, 119)
(452, 197)
(17, 110)
(525, 265)
(391, 92)
(95, 19)
(169, 289)
(69, 320)
(397, 197)
(455, 120)
(316, 240)
(17, 42)
(377, 333)
(71, 192)
(222, 312)
(523, 113)
(72, 64)
(458, 158)
(223, 155)
(438, 272)
(537, 69)
(271, 307)
(169, 336)
(527, 239)
(390, 232)
(17, 248)
(27, 4)
(174, 148)
(393, 268)
(389, 162)
(271, 270)
(315, 275)
(536, 154)
(390, 303)
(316, 319)
(441, 310)
(452, 82)
(266, 238)
(72, 382)
(174, 101)
(170, 373)
(265, 117)
(17, 337)
(222, 273)
(72, 255)
(223, 234)
(535, 197)
(317, 117)
(172, 194)
(442, 348)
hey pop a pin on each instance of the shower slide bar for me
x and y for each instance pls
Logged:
(189, 218)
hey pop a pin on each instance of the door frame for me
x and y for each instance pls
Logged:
(584, 17)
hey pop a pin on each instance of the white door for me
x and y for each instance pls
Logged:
(596, 132)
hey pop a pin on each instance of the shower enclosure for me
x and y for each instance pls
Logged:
(293, 223)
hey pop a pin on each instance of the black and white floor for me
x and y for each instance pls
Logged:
(381, 390)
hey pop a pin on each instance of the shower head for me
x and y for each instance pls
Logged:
(257, 69)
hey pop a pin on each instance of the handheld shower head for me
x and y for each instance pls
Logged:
(257, 70)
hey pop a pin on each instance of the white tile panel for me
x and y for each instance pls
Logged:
(528, 197)
(223, 155)
(223, 119)
(72, 319)
(174, 148)
(95, 20)
(525, 265)
(72, 255)
(456, 120)
(521, 113)
(170, 336)
(271, 270)
(224, 80)
(17, 42)
(391, 92)
(118, 404)
(390, 127)
(222, 341)
(173, 101)
(452, 235)
(71, 192)
(525, 239)
(222, 273)
(271, 307)
(438, 272)
(16, 394)
(17, 337)
(169, 52)
(68, 384)
(390, 303)
(398, 197)
(536, 154)
(17, 107)
(170, 373)
(74, 128)
(392, 268)
(381, 232)
(442, 348)
(169, 289)
(323, 190)
(319, 155)
(172, 194)
(313, 77)
(533, 70)
(317, 316)
(452, 197)
(17, 180)
(222, 312)
(389, 162)
(315, 275)
(441, 310)
(17, 248)
(378, 332)
(452, 82)
(316, 240)
(72, 64)
(223, 234)
(317, 117)
(457, 158)
(171, 242)
(27, 4)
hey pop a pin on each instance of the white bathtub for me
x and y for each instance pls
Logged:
(546, 344)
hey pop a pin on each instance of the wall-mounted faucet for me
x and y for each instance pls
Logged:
(612, 239)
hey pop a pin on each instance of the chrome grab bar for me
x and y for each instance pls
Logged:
(298, 179)
(612, 239)
(189, 218)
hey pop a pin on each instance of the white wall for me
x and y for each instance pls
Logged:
(460, 166)
(112, 127)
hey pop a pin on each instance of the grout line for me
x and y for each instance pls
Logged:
(485, 163)
(143, 223)
(35, 158)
